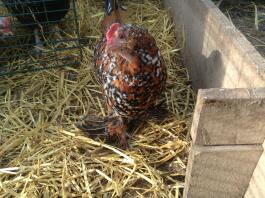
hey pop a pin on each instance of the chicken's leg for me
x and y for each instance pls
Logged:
(117, 127)
(38, 43)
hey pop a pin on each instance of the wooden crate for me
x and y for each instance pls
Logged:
(226, 158)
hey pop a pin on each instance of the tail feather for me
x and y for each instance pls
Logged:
(111, 5)
(113, 14)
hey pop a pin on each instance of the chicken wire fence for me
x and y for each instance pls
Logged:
(43, 34)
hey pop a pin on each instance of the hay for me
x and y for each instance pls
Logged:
(17, 51)
(249, 18)
(43, 155)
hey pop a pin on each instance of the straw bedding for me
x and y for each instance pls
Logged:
(249, 17)
(43, 155)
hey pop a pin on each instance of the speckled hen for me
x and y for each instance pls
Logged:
(131, 70)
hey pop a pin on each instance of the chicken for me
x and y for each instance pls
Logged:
(36, 14)
(5, 28)
(130, 69)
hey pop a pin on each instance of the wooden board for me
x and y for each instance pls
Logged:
(229, 117)
(215, 52)
(220, 171)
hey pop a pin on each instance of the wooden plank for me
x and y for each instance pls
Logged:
(229, 116)
(256, 188)
(233, 2)
(216, 53)
(220, 171)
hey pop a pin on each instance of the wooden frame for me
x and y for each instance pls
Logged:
(228, 127)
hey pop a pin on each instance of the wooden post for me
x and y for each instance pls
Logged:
(229, 117)
(220, 171)
(224, 152)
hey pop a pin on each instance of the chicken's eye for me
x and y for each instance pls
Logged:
(121, 36)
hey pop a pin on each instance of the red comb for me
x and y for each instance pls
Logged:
(111, 31)
(6, 24)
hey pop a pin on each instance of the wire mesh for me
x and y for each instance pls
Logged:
(45, 34)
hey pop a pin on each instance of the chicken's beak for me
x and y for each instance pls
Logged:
(115, 44)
